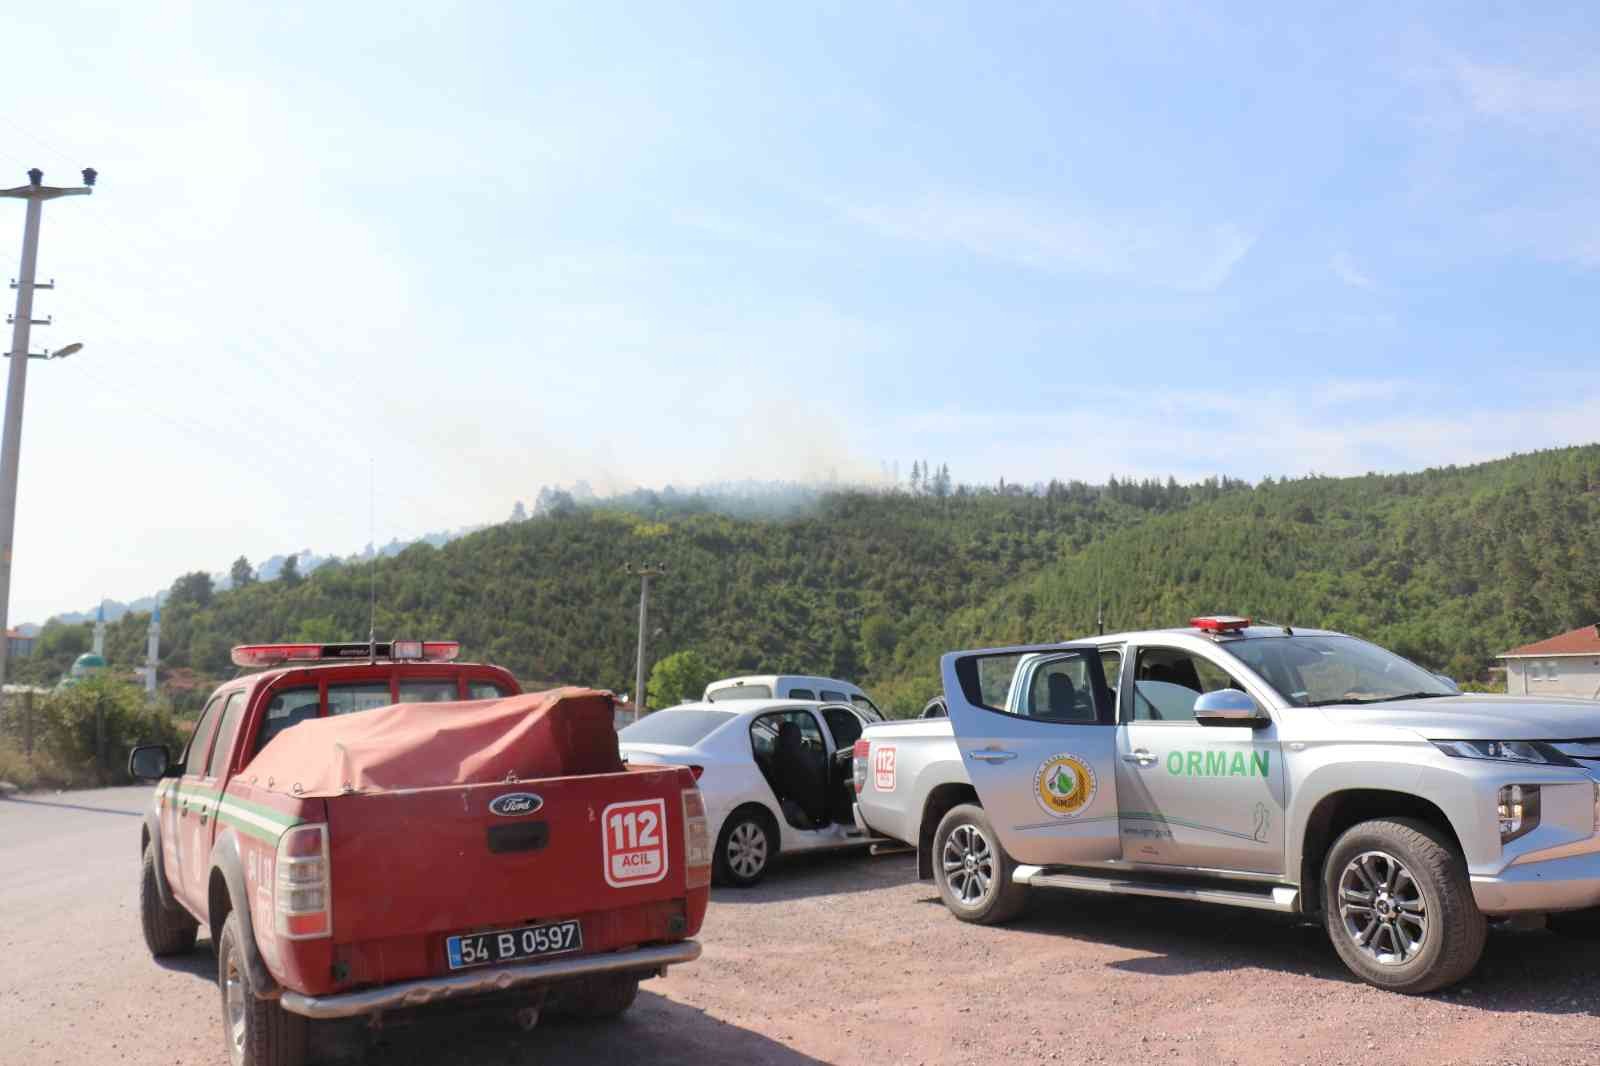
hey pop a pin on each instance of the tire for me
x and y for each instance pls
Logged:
(258, 1032)
(745, 847)
(973, 871)
(1576, 925)
(595, 998)
(1398, 906)
(167, 930)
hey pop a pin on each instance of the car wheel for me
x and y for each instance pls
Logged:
(167, 930)
(259, 1032)
(1576, 925)
(745, 848)
(973, 871)
(1399, 908)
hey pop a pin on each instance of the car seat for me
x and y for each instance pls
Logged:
(801, 778)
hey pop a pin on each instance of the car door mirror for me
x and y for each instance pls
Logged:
(1229, 707)
(149, 762)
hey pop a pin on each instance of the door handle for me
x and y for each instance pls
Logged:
(1140, 757)
(993, 755)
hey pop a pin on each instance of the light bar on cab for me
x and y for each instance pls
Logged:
(1220, 623)
(433, 651)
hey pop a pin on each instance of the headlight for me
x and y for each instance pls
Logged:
(1519, 751)
(1518, 810)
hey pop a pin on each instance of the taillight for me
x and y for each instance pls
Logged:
(697, 771)
(696, 840)
(302, 891)
(858, 763)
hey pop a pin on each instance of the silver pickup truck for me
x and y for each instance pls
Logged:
(1299, 771)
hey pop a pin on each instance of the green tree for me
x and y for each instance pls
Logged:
(878, 634)
(322, 630)
(91, 725)
(289, 574)
(681, 676)
(192, 588)
(242, 573)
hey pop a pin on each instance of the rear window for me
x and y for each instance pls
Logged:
(685, 728)
(805, 694)
(348, 699)
(428, 691)
(484, 690)
(834, 697)
(288, 708)
(741, 692)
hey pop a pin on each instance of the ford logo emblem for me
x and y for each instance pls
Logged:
(515, 804)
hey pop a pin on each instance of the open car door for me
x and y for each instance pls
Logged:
(1036, 727)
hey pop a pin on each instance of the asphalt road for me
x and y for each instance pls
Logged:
(837, 959)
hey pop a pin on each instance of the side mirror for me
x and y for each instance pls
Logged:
(1229, 707)
(149, 762)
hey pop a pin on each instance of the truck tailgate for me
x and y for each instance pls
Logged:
(425, 863)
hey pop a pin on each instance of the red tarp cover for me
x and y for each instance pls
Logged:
(560, 733)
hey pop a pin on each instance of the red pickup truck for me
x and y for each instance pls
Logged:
(370, 828)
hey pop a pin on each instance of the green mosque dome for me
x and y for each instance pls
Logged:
(87, 663)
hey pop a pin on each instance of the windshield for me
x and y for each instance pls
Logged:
(685, 728)
(1317, 671)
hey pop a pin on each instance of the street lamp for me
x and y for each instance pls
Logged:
(33, 194)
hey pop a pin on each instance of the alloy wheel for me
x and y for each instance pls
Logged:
(968, 864)
(1382, 908)
(747, 849)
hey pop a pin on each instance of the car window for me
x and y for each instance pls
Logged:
(834, 697)
(764, 732)
(1062, 691)
(288, 707)
(844, 726)
(867, 706)
(1111, 667)
(349, 699)
(194, 756)
(740, 692)
(485, 690)
(428, 691)
(685, 728)
(1168, 681)
(224, 743)
(802, 694)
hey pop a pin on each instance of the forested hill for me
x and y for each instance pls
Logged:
(1449, 566)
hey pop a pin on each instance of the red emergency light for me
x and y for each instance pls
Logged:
(1220, 623)
(433, 651)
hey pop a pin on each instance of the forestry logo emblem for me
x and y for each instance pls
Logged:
(1064, 785)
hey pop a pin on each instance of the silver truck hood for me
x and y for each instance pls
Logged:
(1479, 717)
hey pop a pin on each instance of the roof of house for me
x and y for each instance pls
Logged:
(1585, 640)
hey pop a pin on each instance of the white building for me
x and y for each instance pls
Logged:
(1568, 665)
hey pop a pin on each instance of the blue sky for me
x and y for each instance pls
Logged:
(464, 250)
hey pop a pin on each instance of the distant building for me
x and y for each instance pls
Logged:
(21, 645)
(1568, 665)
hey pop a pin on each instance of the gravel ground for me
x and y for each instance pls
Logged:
(835, 959)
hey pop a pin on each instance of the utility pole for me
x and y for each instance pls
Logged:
(35, 193)
(646, 571)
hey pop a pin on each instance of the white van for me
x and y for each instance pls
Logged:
(792, 687)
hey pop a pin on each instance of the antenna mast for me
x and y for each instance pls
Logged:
(372, 539)
(1099, 597)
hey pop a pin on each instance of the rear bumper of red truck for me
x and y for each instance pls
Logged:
(487, 981)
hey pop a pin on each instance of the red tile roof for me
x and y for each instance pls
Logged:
(1585, 640)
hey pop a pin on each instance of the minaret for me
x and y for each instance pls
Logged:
(100, 630)
(153, 652)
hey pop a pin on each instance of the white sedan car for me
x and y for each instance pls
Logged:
(776, 774)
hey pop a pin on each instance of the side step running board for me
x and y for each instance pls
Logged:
(1280, 898)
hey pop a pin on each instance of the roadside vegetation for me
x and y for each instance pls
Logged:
(81, 734)
(1447, 566)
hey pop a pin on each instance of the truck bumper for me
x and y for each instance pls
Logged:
(430, 990)
(1565, 883)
